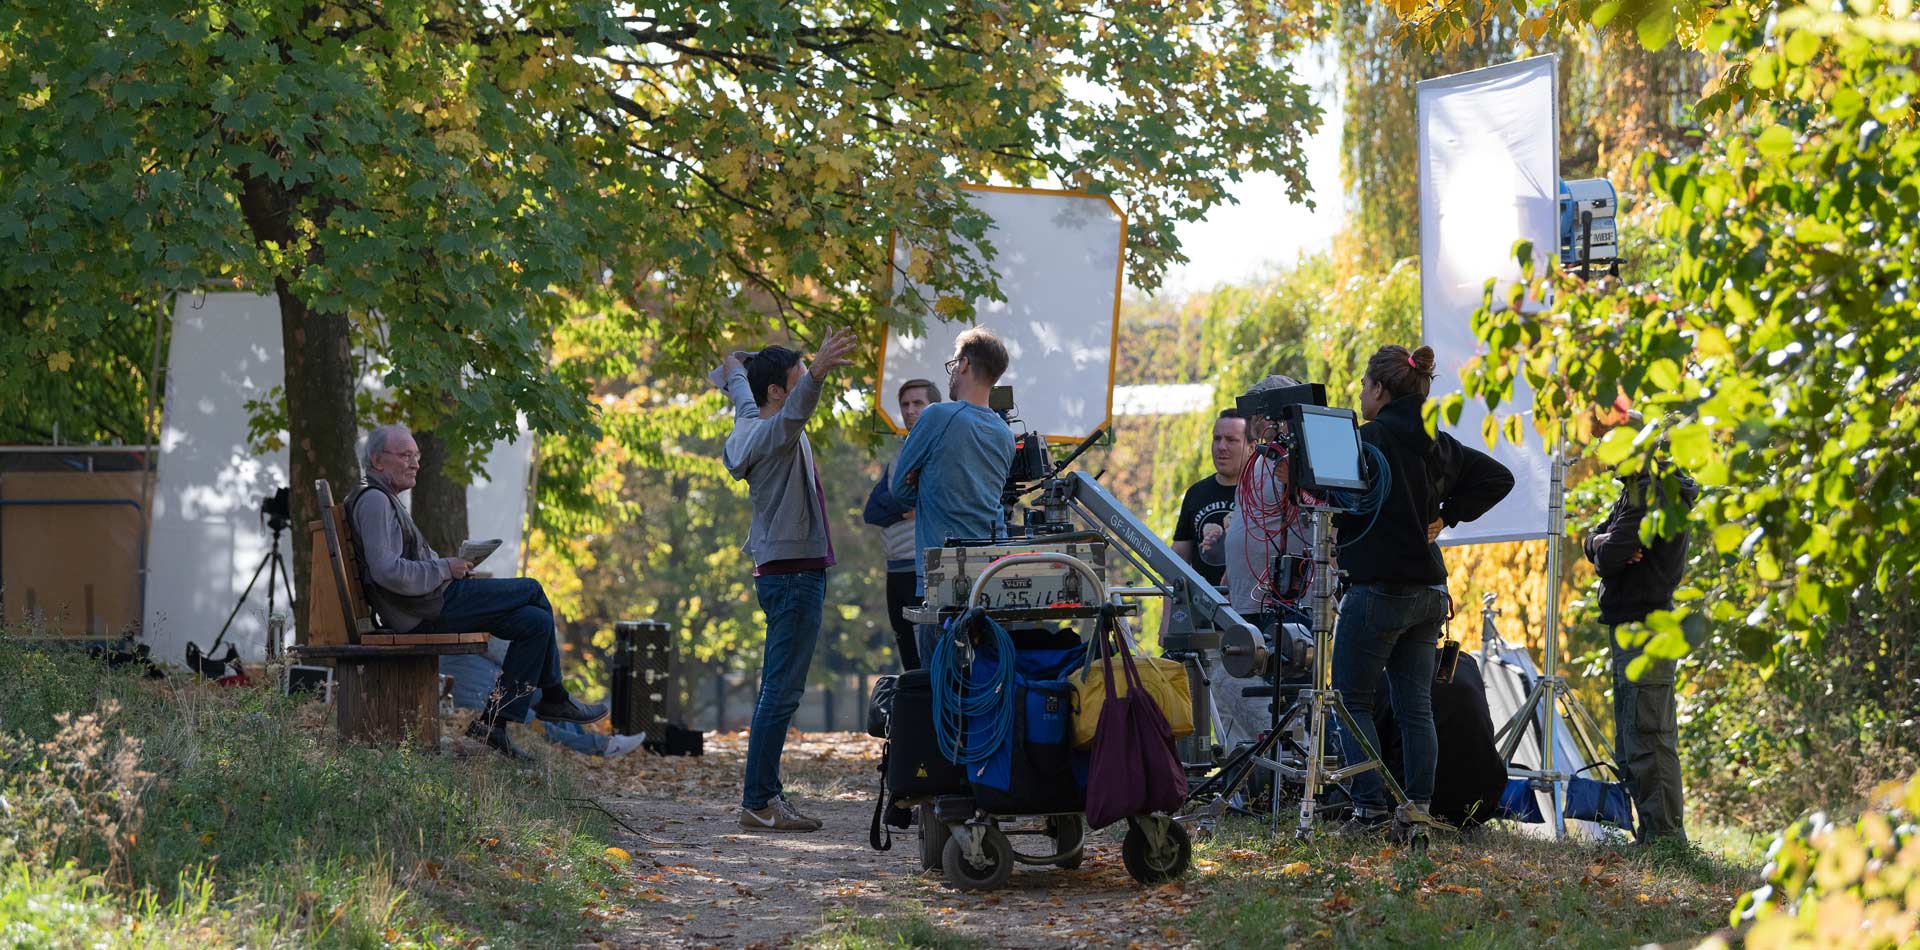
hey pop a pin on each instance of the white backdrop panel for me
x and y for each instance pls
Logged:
(206, 536)
(1059, 264)
(1489, 176)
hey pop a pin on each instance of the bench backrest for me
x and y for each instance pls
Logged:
(337, 609)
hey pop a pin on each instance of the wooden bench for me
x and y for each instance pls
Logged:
(386, 683)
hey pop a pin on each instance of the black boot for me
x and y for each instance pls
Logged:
(496, 738)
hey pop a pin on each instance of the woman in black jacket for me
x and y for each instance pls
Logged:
(1396, 604)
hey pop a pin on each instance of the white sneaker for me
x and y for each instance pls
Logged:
(619, 745)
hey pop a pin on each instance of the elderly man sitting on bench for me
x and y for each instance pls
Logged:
(415, 590)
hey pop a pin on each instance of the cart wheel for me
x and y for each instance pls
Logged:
(1150, 865)
(933, 837)
(1068, 832)
(961, 873)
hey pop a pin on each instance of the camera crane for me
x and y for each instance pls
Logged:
(1201, 618)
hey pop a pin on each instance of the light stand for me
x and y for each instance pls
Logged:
(1550, 692)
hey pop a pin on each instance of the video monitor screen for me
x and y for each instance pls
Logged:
(1333, 448)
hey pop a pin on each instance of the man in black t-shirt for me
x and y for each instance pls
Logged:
(1200, 535)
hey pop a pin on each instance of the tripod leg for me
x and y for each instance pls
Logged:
(1516, 728)
(242, 602)
(1373, 755)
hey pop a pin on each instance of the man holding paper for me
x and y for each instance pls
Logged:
(415, 590)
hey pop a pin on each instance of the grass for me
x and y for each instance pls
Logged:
(143, 813)
(904, 928)
(1493, 889)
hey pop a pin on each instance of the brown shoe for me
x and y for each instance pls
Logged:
(777, 816)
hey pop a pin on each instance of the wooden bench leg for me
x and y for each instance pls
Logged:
(388, 700)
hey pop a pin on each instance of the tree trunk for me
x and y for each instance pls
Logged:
(321, 434)
(318, 383)
(440, 499)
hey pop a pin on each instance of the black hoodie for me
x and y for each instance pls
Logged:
(1432, 478)
(1629, 589)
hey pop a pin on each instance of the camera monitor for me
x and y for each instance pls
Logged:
(1327, 453)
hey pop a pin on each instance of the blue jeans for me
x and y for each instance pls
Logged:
(474, 677)
(792, 603)
(515, 610)
(1390, 629)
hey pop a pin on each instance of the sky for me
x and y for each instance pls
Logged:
(1239, 241)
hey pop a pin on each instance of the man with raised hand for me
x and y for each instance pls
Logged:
(774, 394)
(955, 462)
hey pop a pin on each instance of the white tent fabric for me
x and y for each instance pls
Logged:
(1509, 673)
(1058, 257)
(206, 536)
(1489, 174)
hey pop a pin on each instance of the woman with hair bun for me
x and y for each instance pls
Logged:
(1396, 605)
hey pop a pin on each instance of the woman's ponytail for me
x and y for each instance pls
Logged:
(1402, 372)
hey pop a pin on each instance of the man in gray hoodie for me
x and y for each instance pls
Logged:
(415, 590)
(774, 394)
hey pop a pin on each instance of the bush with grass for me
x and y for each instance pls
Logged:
(148, 813)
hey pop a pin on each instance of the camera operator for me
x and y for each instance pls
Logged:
(1257, 536)
(955, 462)
(1396, 605)
(896, 524)
(1636, 579)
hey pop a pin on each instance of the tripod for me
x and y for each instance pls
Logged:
(276, 568)
(1322, 701)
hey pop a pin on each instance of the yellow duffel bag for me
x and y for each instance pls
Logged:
(1165, 681)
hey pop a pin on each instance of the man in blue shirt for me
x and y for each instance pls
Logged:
(955, 462)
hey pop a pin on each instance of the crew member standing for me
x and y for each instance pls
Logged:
(774, 394)
(956, 460)
(1396, 605)
(896, 523)
(1638, 577)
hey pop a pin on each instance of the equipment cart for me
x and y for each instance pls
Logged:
(968, 836)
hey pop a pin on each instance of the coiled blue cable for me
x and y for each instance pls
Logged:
(1371, 500)
(954, 704)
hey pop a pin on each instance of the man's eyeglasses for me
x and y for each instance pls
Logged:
(405, 456)
(954, 364)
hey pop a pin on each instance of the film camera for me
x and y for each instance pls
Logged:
(1321, 444)
(1031, 463)
(277, 510)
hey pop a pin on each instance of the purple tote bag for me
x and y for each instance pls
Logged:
(1134, 770)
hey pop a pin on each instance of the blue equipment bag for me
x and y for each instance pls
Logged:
(1034, 770)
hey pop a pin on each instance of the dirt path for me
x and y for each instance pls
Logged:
(721, 886)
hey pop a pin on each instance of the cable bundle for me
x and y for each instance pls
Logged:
(954, 704)
(1368, 502)
(1267, 521)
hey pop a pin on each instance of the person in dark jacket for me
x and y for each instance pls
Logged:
(895, 521)
(1396, 605)
(1638, 577)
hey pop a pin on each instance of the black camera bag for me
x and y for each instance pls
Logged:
(915, 767)
(880, 706)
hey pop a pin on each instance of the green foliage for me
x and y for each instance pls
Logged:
(1774, 357)
(1830, 883)
(723, 167)
(257, 828)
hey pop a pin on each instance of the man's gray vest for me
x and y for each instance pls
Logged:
(386, 603)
